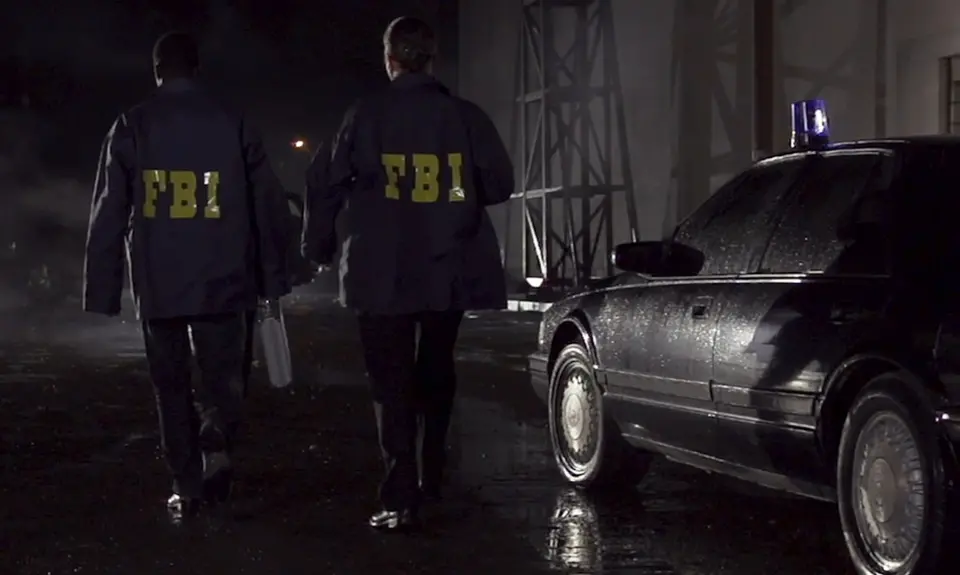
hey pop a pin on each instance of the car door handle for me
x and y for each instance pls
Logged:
(701, 308)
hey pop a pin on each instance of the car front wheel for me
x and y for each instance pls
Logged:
(893, 485)
(587, 445)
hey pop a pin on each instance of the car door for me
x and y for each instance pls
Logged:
(618, 322)
(671, 362)
(783, 325)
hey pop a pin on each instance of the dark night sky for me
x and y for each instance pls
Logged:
(294, 65)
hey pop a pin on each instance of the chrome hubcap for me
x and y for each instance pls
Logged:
(578, 418)
(573, 416)
(888, 491)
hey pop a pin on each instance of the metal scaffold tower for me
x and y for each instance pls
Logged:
(571, 145)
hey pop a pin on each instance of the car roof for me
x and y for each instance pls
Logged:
(891, 144)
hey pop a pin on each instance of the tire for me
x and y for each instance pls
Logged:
(893, 478)
(588, 447)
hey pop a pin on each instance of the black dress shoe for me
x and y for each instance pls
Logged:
(182, 508)
(395, 521)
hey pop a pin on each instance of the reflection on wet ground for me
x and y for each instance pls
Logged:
(81, 481)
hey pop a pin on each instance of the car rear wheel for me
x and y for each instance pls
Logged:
(587, 445)
(893, 487)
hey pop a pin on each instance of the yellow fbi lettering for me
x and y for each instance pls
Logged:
(426, 182)
(181, 186)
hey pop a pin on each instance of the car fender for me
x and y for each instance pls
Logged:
(844, 381)
(578, 320)
(847, 370)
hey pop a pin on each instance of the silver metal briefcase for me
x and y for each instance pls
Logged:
(273, 339)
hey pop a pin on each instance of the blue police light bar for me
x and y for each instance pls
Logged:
(810, 127)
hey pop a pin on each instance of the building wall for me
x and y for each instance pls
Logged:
(922, 33)
(686, 70)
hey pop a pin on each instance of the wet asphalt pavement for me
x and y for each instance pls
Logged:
(82, 486)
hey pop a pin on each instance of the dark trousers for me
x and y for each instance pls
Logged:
(413, 383)
(189, 428)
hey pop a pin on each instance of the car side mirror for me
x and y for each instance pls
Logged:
(663, 258)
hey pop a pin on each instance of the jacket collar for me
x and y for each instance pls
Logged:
(418, 80)
(178, 85)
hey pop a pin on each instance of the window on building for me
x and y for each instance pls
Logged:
(950, 94)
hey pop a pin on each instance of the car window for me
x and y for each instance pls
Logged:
(837, 219)
(731, 227)
(929, 236)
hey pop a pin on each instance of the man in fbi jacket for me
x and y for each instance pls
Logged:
(414, 168)
(184, 182)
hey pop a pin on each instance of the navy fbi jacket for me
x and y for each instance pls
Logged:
(186, 185)
(414, 169)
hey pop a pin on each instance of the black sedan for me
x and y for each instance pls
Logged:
(799, 330)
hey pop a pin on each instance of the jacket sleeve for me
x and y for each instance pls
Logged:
(271, 218)
(110, 216)
(492, 164)
(330, 179)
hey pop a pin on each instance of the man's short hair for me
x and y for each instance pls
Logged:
(176, 52)
(411, 43)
